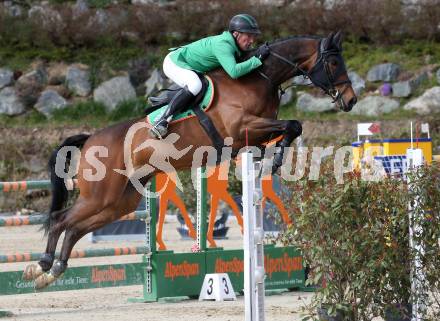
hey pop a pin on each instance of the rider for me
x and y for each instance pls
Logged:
(207, 54)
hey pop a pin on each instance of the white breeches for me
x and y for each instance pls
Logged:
(181, 76)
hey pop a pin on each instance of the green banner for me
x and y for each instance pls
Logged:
(283, 266)
(84, 277)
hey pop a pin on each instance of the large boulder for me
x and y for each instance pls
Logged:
(10, 103)
(138, 70)
(6, 77)
(56, 73)
(301, 81)
(114, 91)
(50, 101)
(427, 103)
(78, 81)
(45, 15)
(309, 103)
(12, 9)
(287, 97)
(357, 83)
(407, 88)
(375, 106)
(30, 85)
(81, 7)
(384, 72)
(155, 82)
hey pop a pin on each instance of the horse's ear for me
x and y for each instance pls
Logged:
(327, 42)
(337, 40)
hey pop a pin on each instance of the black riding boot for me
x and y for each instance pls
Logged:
(179, 102)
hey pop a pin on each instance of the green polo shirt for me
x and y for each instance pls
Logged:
(213, 52)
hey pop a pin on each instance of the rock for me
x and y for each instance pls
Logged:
(155, 82)
(438, 75)
(78, 81)
(384, 72)
(138, 70)
(114, 91)
(81, 7)
(10, 104)
(288, 96)
(12, 9)
(50, 101)
(46, 16)
(60, 89)
(357, 83)
(30, 85)
(309, 103)
(427, 103)
(56, 74)
(402, 89)
(6, 77)
(375, 106)
(301, 81)
(406, 88)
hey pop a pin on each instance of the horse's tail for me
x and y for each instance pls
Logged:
(59, 189)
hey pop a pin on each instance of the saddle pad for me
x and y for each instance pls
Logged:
(205, 104)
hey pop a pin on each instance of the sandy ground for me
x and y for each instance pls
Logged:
(111, 303)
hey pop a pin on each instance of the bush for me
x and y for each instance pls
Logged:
(373, 21)
(354, 237)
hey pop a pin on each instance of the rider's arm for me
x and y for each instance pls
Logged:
(225, 55)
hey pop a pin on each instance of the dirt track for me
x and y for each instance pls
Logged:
(111, 303)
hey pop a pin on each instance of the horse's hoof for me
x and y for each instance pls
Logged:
(32, 271)
(44, 280)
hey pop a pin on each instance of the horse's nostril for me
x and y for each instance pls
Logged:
(352, 102)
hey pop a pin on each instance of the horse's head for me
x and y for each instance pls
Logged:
(329, 72)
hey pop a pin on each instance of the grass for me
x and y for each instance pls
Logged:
(106, 55)
(411, 55)
(87, 113)
(116, 58)
(289, 111)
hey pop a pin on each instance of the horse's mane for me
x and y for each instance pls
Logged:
(297, 37)
(280, 41)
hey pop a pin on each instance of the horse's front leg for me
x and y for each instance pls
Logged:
(292, 130)
(264, 129)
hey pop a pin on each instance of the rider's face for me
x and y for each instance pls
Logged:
(245, 40)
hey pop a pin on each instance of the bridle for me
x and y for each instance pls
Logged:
(325, 81)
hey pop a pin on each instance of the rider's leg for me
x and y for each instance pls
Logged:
(191, 86)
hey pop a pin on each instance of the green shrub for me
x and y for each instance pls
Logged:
(354, 237)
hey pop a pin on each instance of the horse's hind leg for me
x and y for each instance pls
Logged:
(33, 271)
(81, 221)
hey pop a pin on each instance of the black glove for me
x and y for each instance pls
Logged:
(262, 52)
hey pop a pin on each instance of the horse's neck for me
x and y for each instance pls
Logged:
(299, 51)
(251, 92)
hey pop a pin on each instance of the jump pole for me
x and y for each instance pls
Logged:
(417, 275)
(252, 239)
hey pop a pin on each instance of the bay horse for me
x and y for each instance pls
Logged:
(244, 109)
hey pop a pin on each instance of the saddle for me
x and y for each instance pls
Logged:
(166, 95)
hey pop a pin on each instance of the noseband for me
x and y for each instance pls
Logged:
(325, 81)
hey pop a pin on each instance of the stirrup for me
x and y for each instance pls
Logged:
(158, 130)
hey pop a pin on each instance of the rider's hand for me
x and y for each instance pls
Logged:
(262, 52)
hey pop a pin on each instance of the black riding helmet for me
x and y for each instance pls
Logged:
(244, 23)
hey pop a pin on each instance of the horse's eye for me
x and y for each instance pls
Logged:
(334, 63)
